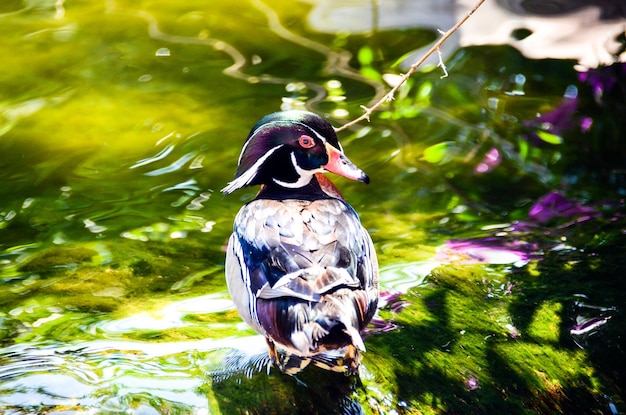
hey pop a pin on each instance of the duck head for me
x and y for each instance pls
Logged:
(287, 149)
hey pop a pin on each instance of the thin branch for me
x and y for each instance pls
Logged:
(435, 48)
(442, 65)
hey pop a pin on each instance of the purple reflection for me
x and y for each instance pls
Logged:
(388, 300)
(585, 124)
(557, 121)
(392, 301)
(489, 162)
(379, 325)
(488, 250)
(505, 246)
(555, 205)
(472, 384)
(562, 118)
(603, 79)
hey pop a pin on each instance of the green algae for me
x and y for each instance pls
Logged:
(463, 358)
(48, 260)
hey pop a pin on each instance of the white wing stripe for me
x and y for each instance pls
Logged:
(245, 276)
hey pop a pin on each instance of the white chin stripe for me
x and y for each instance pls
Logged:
(304, 176)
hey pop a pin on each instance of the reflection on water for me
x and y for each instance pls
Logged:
(564, 29)
(81, 375)
(589, 320)
(404, 276)
(119, 120)
(168, 317)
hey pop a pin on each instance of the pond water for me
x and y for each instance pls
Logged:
(496, 208)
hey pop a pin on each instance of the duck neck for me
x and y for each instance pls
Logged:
(310, 191)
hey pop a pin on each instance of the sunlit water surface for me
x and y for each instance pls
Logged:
(119, 123)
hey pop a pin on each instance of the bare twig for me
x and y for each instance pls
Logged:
(442, 65)
(435, 48)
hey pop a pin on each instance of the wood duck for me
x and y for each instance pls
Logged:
(300, 267)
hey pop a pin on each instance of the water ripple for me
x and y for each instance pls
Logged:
(170, 316)
(337, 62)
(155, 32)
(175, 166)
(404, 276)
(159, 156)
(105, 374)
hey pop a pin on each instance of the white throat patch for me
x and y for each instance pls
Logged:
(304, 176)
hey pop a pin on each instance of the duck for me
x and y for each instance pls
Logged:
(300, 267)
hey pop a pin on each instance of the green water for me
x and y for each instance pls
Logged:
(119, 123)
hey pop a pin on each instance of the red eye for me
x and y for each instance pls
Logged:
(306, 141)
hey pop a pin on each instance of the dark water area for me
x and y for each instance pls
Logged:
(496, 204)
